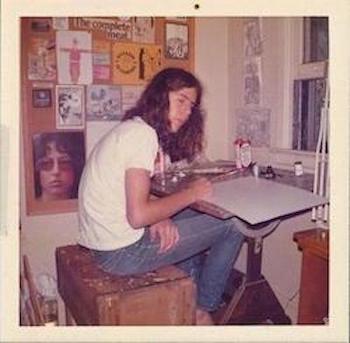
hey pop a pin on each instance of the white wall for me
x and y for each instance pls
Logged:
(218, 65)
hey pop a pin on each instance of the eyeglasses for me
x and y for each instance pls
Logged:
(47, 163)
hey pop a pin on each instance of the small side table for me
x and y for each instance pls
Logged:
(313, 301)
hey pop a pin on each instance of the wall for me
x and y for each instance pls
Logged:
(220, 70)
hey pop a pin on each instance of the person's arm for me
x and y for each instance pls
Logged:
(142, 210)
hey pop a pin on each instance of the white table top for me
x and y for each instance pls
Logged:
(257, 200)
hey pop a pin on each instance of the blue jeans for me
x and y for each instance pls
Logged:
(198, 233)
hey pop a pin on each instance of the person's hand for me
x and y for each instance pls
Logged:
(167, 233)
(201, 188)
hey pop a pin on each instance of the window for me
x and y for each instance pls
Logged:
(310, 85)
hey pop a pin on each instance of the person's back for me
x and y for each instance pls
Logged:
(102, 210)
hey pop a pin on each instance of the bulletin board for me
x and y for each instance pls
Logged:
(79, 69)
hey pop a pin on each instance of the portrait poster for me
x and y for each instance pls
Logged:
(176, 41)
(74, 57)
(41, 59)
(41, 97)
(70, 112)
(143, 29)
(125, 63)
(150, 61)
(130, 95)
(58, 161)
(101, 59)
(103, 102)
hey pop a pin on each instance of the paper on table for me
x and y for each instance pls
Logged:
(257, 200)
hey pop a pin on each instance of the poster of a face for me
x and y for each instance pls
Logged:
(103, 102)
(70, 112)
(58, 160)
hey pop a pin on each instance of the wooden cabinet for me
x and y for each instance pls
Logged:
(313, 301)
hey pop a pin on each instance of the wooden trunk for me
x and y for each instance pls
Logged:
(166, 296)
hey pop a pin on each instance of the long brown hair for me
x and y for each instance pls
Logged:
(153, 108)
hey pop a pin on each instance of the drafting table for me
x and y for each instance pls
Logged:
(261, 204)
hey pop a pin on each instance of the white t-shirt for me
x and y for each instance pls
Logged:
(103, 223)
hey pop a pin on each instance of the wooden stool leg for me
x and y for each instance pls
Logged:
(69, 318)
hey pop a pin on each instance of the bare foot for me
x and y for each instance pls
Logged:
(203, 318)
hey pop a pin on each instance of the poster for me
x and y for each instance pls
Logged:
(58, 161)
(74, 58)
(130, 95)
(116, 28)
(103, 102)
(70, 112)
(254, 124)
(125, 63)
(41, 59)
(101, 60)
(150, 58)
(176, 41)
(143, 29)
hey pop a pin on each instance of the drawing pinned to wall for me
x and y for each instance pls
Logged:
(254, 124)
(41, 59)
(74, 58)
(125, 63)
(252, 81)
(143, 29)
(41, 98)
(150, 61)
(101, 60)
(70, 112)
(130, 95)
(176, 41)
(60, 23)
(58, 160)
(253, 49)
(104, 102)
(253, 45)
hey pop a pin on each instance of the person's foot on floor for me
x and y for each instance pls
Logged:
(203, 318)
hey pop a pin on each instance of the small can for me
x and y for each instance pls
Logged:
(255, 170)
(298, 168)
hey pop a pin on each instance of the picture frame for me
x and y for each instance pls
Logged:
(176, 41)
(41, 98)
(70, 110)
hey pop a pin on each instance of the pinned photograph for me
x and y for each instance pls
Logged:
(41, 98)
(74, 57)
(176, 41)
(104, 102)
(58, 160)
(70, 107)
